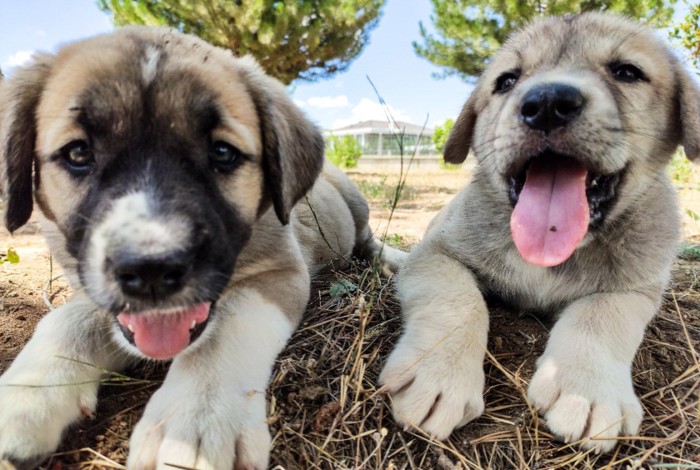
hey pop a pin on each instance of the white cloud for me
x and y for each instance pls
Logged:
(17, 59)
(368, 110)
(299, 103)
(328, 102)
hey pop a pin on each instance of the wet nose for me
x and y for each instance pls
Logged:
(551, 106)
(154, 278)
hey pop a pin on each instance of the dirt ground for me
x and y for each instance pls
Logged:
(325, 410)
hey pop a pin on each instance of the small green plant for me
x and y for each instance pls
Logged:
(10, 256)
(680, 169)
(373, 190)
(448, 166)
(384, 192)
(395, 240)
(689, 252)
(344, 151)
(342, 287)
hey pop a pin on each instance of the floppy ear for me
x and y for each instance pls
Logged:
(292, 146)
(460, 138)
(689, 107)
(19, 98)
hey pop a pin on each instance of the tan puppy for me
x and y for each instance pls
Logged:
(570, 213)
(167, 171)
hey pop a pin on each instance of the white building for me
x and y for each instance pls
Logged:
(382, 139)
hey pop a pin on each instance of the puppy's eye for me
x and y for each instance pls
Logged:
(627, 73)
(506, 81)
(223, 156)
(77, 157)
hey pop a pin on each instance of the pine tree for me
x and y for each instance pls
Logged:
(689, 33)
(468, 32)
(292, 39)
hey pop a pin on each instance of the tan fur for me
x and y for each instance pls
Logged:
(137, 98)
(607, 291)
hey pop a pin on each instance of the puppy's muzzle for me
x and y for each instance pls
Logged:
(556, 196)
(551, 106)
(159, 316)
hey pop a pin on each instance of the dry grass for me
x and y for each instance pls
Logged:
(326, 412)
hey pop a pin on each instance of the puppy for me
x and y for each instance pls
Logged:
(569, 213)
(168, 173)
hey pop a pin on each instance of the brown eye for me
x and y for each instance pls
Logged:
(627, 73)
(78, 157)
(506, 81)
(223, 156)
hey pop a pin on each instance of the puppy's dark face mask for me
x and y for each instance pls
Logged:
(156, 244)
(154, 165)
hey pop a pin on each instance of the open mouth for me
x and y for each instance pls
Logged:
(162, 334)
(556, 201)
(600, 189)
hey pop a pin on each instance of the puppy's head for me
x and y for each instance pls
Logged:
(571, 121)
(153, 153)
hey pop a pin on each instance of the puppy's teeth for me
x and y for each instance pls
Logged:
(194, 323)
(130, 327)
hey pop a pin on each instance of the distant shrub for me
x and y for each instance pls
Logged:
(441, 133)
(343, 151)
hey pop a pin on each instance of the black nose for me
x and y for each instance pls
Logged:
(551, 106)
(152, 278)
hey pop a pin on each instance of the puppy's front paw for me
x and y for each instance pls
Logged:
(434, 390)
(590, 399)
(202, 431)
(32, 419)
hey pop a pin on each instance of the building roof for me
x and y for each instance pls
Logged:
(384, 127)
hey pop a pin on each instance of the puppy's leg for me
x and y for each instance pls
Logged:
(211, 411)
(435, 374)
(583, 383)
(388, 259)
(53, 382)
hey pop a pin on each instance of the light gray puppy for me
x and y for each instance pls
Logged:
(569, 212)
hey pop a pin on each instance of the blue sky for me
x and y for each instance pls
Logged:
(404, 80)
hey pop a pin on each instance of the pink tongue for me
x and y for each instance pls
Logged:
(551, 216)
(161, 335)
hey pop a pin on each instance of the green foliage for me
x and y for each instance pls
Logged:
(372, 190)
(342, 287)
(343, 151)
(441, 133)
(680, 169)
(384, 192)
(304, 39)
(689, 33)
(449, 166)
(396, 240)
(689, 252)
(468, 32)
(11, 256)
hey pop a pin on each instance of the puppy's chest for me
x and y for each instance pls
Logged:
(529, 287)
